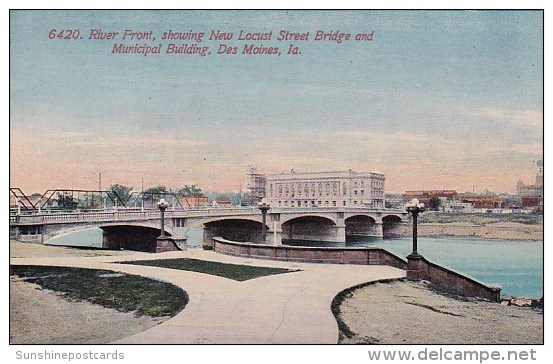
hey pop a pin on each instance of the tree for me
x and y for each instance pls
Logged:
(66, 201)
(157, 189)
(434, 203)
(153, 194)
(122, 191)
(191, 191)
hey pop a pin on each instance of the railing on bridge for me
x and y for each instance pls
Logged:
(127, 214)
(124, 214)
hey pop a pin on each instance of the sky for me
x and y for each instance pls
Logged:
(436, 100)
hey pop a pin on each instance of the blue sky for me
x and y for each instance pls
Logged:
(444, 99)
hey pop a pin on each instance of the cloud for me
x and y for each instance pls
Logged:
(534, 148)
(120, 142)
(526, 118)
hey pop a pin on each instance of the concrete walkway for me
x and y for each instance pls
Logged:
(290, 308)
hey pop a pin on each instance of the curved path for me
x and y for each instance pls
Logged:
(290, 308)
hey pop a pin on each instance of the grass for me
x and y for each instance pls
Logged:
(123, 292)
(231, 271)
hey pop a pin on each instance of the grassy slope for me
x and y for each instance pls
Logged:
(122, 292)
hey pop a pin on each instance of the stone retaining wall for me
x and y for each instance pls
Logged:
(371, 256)
(417, 267)
(421, 269)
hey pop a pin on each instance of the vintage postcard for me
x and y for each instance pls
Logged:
(277, 177)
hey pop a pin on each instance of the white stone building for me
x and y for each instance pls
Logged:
(326, 189)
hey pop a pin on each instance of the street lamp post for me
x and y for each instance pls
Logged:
(264, 207)
(414, 208)
(162, 205)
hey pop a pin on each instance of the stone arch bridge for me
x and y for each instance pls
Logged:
(138, 229)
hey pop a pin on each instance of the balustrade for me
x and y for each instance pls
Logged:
(56, 217)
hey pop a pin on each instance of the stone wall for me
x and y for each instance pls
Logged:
(372, 256)
(421, 269)
(417, 267)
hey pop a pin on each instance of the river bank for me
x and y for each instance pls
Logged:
(481, 226)
(411, 313)
(496, 231)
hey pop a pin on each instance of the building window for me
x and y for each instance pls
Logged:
(355, 192)
(355, 202)
(343, 203)
(333, 203)
(362, 192)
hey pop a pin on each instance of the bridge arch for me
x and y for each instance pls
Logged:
(312, 228)
(287, 218)
(235, 229)
(361, 225)
(392, 226)
(62, 237)
(139, 237)
(54, 230)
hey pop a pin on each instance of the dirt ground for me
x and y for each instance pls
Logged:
(500, 230)
(40, 316)
(29, 250)
(410, 313)
(503, 230)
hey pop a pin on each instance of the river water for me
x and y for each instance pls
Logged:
(515, 266)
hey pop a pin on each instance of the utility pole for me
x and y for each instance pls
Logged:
(240, 195)
(99, 181)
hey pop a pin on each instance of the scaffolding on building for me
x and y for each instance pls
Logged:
(255, 184)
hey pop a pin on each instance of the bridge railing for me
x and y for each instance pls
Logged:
(124, 214)
(147, 214)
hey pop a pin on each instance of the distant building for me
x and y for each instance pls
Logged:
(326, 189)
(194, 201)
(394, 201)
(256, 183)
(25, 201)
(531, 196)
(221, 203)
(485, 202)
(427, 195)
(458, 206)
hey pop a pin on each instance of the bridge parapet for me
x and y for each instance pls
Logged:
(94, 216)
(124, 214)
